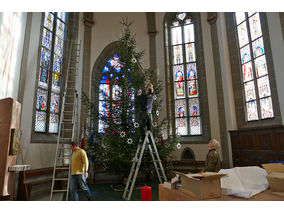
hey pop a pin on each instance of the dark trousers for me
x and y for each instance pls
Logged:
(146, 123)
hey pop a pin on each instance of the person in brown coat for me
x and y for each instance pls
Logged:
(213, 163)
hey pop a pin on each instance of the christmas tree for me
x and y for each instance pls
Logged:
(113, 133)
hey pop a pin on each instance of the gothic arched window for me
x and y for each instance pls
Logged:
(181, 45)
(50, 70)
(254, 71)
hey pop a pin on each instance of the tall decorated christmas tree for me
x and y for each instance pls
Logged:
(113, 133)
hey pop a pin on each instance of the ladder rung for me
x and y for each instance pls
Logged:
(59, 190)
(60, 178)
(64, 157)
(67, 129)
(62, 168)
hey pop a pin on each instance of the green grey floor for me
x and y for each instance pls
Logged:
(106, 192)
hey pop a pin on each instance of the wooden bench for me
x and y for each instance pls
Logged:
(31, 178)
(192, 166)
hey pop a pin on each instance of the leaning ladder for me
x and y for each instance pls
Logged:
(137, 162)
(67, 126)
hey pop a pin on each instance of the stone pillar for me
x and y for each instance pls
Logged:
(151, 26)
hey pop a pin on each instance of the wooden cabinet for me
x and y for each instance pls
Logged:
(10, 111)
(255, 146)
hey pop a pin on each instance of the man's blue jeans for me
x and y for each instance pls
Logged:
(78, 181)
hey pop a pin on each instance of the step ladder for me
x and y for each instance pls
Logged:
(67, 126)
(137, 162)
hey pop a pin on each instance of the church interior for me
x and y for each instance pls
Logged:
(216, 75)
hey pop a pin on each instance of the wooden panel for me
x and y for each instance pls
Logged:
(255, 146)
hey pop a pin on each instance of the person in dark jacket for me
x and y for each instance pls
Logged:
(145, 102)
(213, 163)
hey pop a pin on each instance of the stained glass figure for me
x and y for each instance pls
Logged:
(250, 91)
(104, 91)
(191, 71)
(247, 72)
(180, 90)
(245, 54)
(55, 82)
(240, 16)
(58, 46)
(60, 28)
(181, 125)
(43, 78)
(116, 92)
(190, 52)
(255, 27)
(180, 108)
(195, 125)
(176, 35)
(192, 88)
(189, 33)
(53, 123)
(193, 105)
(252, 111)
(40, 121)
(178, 73)
(266, 108)
(45, 58)
(48, 21)
(41, 103)
(115, 63)
(260, 66)
(243, 34)
(57, 64)
(257, 47)
(46, 38)
(177, 50)
(263, 87)
(54, 103)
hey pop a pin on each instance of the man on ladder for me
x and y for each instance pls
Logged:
(145, 102)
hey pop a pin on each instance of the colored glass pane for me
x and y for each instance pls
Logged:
(178, 73)
(249, 91)
(195, 125)
(43, 78)
(55, 82)
(105, 69)
(252, 111)
(190, 52)
(193, 105)
(181, 126)
(175, 23)
(54, 103)
(115, 63)
(53, 123)
(247, 72)
(103, 109)
(41, 103)
(180, 90)
(260, 66)
(188, 21)
(240, 16)
(46, 38)
(60, 28)
(245, 54)
(40, 121)
(192, 88)
(177, 53)
(255, 27)
(45, 58)
(116, 92)
(104, 91)
(180, 108)
(266, 108)
(176, 35)
(257, 47)
(58, 46)
(181, 16)
(62, 16)
(243, 34)
(189, 33)
(263, 87)
(57, 64)
(48, 21)
(191, 71)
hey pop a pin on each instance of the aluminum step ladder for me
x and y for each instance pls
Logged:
(137, 162)
(67, 126)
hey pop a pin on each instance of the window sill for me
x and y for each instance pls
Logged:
(46, 138)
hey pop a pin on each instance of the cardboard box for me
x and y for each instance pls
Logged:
(173, 183)
(275, 176)
(202, 185)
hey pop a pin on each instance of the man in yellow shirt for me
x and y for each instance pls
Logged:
(79, 174)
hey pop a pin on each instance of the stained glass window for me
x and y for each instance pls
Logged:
(185, 75)
(255, 79)
(51, 62)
